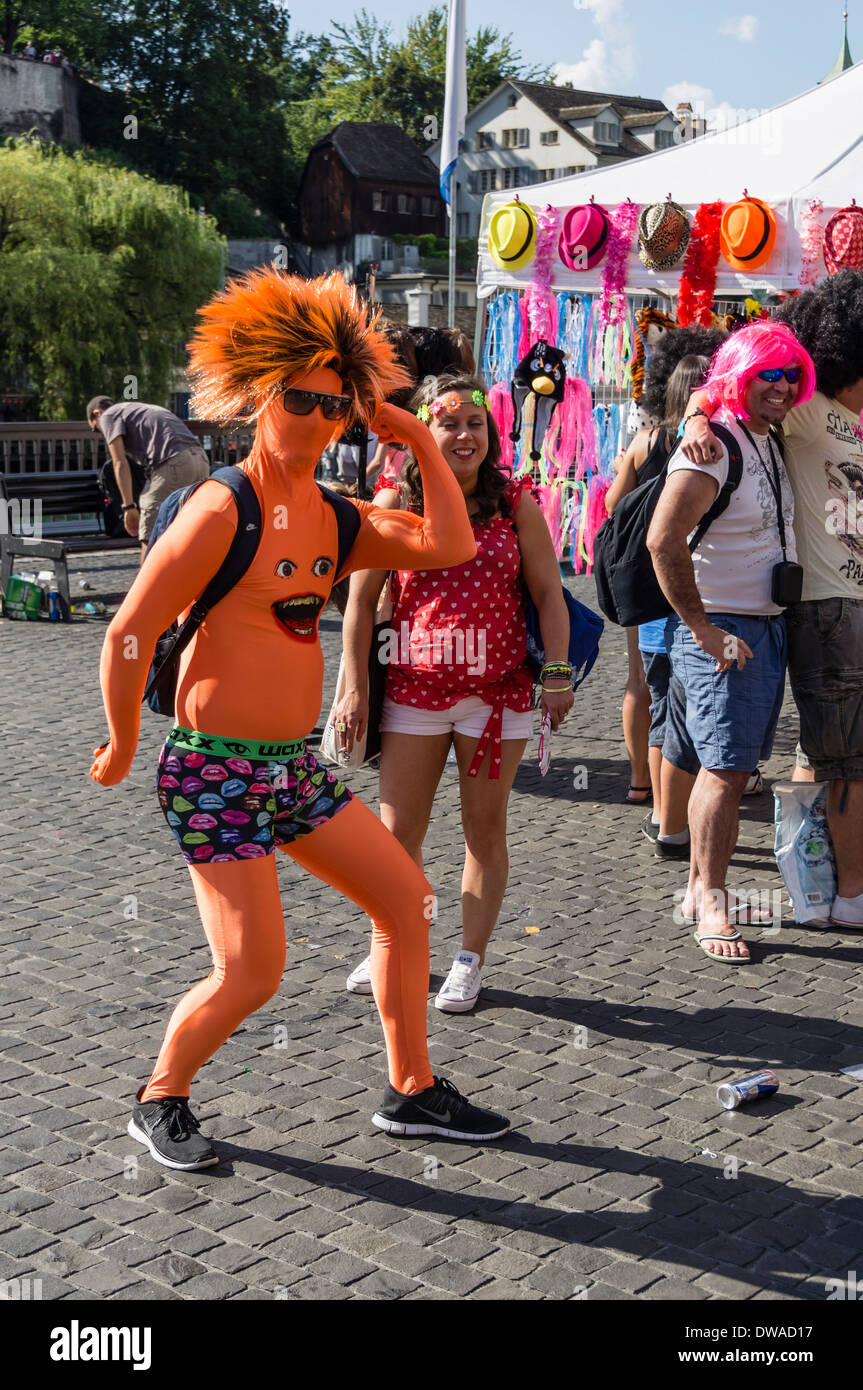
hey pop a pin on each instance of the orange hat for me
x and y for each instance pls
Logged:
(748, 234)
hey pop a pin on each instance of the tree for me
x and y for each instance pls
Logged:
(101, 274)
(371, 77)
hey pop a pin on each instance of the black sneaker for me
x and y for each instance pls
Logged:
(663, 850)
(168, 1128)
(649, 827)
(439, 1110)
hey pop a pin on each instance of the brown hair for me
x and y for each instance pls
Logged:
(491, 481)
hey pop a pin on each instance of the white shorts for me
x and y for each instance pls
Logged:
(468, 717)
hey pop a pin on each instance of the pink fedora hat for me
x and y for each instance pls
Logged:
(584, 236)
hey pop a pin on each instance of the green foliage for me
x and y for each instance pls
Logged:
(101, 274)
(369, 76)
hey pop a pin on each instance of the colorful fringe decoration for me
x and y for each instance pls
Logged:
(610, 349)
(574, 331)
(499, 359)
(540, 304)
(612, 299)
(698, 281)
(810, 242)
(646, 318)
(502, 412)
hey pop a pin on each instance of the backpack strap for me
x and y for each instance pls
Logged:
(348, 521)
(241, 553)
(729, 487)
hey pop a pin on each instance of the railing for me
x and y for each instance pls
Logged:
(70, 446)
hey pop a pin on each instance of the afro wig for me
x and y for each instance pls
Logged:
(828, 320)
(268, 329)
(751, 350)
(672, 347)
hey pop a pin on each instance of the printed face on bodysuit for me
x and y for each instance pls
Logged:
(298, 612)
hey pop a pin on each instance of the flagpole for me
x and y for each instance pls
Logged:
(455, 114)
(452, 245)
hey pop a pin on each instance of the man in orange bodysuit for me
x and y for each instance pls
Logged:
(236, 781)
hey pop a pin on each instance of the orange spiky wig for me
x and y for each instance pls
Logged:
(268, 329)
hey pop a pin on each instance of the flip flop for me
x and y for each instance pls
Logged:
(721, 936)
(743, 913)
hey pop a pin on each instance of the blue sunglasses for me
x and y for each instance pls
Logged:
(791, 374)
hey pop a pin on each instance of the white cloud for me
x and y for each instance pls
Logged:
(608, 59)
(744, 28)
(699, 98)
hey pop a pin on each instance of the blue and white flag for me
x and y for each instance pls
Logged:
(455, 102)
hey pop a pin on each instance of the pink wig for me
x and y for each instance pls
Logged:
(751, 350)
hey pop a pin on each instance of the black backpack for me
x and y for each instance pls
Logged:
(112, 513)
(161, 690)
(627, 589)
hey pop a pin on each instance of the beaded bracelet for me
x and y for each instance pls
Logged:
(556, 668)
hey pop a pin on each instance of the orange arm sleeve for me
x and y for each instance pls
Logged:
(400, 540)
(174, 574)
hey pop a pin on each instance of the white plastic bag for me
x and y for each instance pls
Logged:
(804, 851)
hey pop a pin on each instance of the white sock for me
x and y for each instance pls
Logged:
(681, 838)
(654, 818)
(853, 907)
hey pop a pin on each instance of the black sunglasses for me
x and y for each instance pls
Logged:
(303, 403)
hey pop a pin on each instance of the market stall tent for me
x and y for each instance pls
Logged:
(809, 147)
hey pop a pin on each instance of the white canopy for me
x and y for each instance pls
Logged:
(809, 147)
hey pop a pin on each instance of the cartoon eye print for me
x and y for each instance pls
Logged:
(536, 364)
(285, 568)
(322, 566)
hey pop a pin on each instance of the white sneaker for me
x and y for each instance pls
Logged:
(460, 989)
(755, 785)
(360, 980)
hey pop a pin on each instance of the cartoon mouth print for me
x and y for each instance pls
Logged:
(299, 614)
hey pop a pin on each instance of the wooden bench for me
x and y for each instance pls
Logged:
(29, 501)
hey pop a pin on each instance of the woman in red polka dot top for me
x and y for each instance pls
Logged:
(456, 670)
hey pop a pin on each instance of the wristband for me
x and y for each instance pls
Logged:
(693, 413)
(130, 507)
(556, 668)
(555, 692)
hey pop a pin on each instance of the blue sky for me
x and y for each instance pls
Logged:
(742, 54)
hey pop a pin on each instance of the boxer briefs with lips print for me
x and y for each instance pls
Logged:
(236, 799)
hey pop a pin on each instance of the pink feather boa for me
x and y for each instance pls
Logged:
(612, 300)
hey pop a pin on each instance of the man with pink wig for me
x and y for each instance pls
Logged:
(726, 637)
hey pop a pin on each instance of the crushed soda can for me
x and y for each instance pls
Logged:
(732, 1094)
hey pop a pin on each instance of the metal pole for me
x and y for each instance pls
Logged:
(452, 246)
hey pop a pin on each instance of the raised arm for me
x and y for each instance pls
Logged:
(700, 444)
(400, 540)
(174, 574)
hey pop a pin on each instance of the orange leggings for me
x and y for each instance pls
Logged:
(242, 915)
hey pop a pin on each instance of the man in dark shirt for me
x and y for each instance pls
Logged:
(160, 442)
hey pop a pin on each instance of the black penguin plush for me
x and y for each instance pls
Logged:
(540, 373)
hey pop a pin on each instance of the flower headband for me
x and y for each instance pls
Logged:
(450, 402)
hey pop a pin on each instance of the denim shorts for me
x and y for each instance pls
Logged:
(731, 716)
(677, 746)
(825, 663)
(657, 669)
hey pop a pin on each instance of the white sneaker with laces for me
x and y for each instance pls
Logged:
(360, 980)
(460, 990)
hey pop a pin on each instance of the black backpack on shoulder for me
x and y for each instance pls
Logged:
(161, 691)
(627, 589)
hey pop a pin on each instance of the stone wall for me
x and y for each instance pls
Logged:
(40, 97)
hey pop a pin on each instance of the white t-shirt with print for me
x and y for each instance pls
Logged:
(734, 563)
(825, 463)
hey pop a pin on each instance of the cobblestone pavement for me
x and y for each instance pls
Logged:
(602, 1034)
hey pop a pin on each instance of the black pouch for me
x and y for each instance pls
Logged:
(786, 585)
